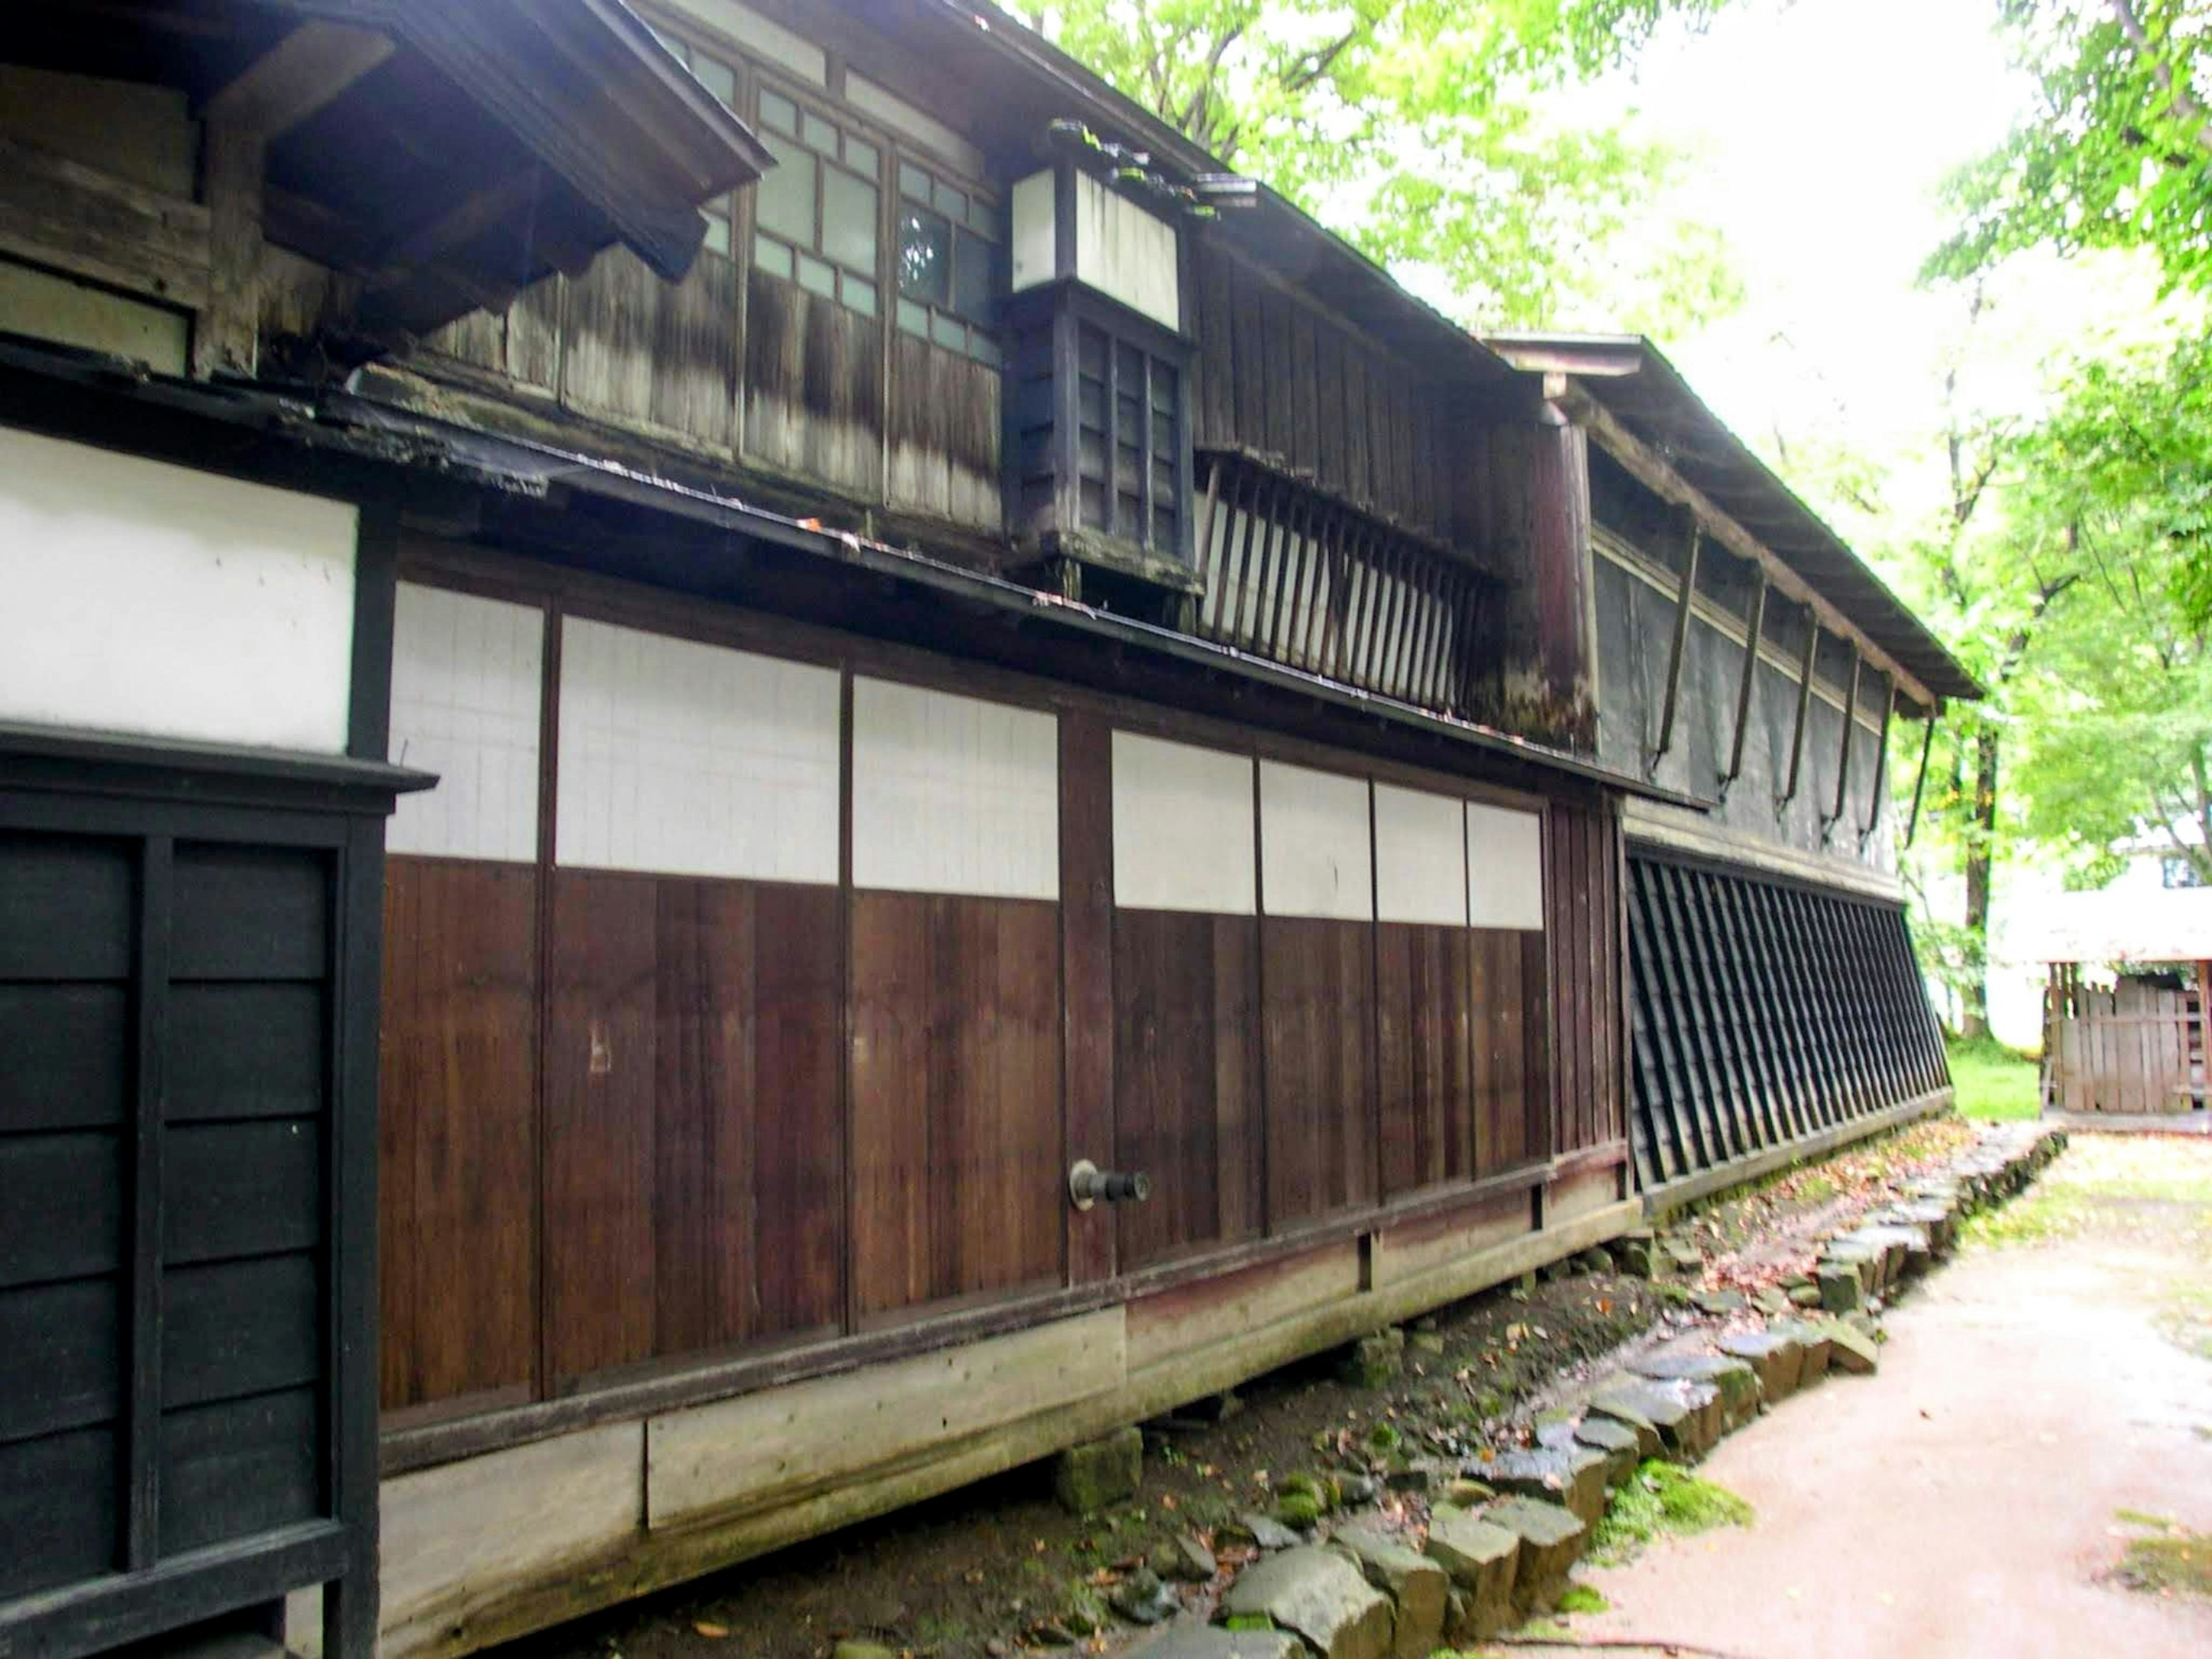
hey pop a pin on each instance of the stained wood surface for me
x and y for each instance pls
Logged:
(944, 434)
(1186, 1074)
(1425, 1013)
(1316, 1022)
(693, 1184)
(813, 387)
(959, 1168)
(458, 1163)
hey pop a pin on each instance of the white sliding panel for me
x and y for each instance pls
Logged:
(1420, 857)
(1182, 827)
(467, 681)
(953, 794)
(694, 760)
(1505, 868)
(157, 600)
(1315, 852)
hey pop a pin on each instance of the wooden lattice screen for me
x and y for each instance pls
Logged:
(1764, 1011)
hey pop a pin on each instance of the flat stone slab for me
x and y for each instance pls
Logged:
(1319, 1595)
(1737, 1383)
(1481, 1559)
(1622, 1446)
(1777, 1358)
(1419, 1588)
(1811, 1337)
(1572, 1475)
(1686, 1416)
(1551, 1541)
(1189, 1641)
(1852, 1350)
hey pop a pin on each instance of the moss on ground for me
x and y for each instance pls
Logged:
(1663, 1500)
(1580, 1598)
(2171, 1561)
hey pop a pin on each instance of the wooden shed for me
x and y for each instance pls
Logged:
(2137, 1045)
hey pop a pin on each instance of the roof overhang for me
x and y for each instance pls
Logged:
(1639, 408)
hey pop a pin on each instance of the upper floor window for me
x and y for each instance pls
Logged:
(950, 263)
(815, 211)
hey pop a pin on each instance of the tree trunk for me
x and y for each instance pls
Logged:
(1981, 841)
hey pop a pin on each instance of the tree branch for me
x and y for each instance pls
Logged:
(2161, 71)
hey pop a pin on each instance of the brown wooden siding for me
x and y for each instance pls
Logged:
(957, 1162)
(1424, 1024)
(1583, 897)
(1280, 380)
(458, 1174)
(1186, 1067)
(1316, 1023)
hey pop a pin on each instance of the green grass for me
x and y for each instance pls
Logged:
(1993, 1081)
(1664, 1498)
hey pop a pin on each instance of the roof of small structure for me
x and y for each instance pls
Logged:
(2150, 924)
(446, 155)
(1635, 384)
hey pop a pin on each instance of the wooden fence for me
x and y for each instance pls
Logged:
(2138, 1047)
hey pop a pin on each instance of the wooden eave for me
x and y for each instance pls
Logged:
(1642, 413)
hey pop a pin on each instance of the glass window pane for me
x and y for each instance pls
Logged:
(778, 113)
(716, 76)
(677, 49)
(925, 256)
(913, 319)
(949, 202)
(848, 219)
(982, 348)
(948, 332)
(860, 295)
(984, 217)
(974, 276)
(816, 277)
(861, 156)
(772, 256)
(816, 133)
(718, 234)
(914, 182)
(784, 199)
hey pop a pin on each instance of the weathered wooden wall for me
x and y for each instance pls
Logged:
(743, 1068)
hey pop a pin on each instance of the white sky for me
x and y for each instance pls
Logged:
(1822, 129)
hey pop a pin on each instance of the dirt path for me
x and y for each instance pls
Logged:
(2038, 1400)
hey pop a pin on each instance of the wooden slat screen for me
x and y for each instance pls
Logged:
(1764, 1011)
(1295, 576)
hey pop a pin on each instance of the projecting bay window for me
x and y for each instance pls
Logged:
(1129, 441)
(815, 213)
(951, 261)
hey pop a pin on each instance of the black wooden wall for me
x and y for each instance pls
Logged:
(1765, 1012)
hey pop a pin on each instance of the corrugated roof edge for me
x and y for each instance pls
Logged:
(1598, 358)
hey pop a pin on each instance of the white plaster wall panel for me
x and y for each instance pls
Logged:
(159, 601)
(1182, 827)
(1315, 849)
(1036, 236)
(467, 687)
(1504, 867)
(953, 794)
(694, 760)
(1420, 857)
(764, 39)
(1125, 251)
(870, 98)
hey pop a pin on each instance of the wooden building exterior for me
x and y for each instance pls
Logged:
(943, 662)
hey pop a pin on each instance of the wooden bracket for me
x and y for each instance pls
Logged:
(1880, 770)
(1694, 538)
(1804, 711)
(1830, 820)
(1744, 687)
(1920, 783)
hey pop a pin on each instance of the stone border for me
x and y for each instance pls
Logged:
(1501, 1543)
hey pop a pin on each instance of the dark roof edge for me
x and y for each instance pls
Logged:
(1595, 359)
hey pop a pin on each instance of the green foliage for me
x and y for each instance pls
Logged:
(1664, 1498)
(1423, 130)
(1580, 1598)
(2118, 152)
(1992, 1081)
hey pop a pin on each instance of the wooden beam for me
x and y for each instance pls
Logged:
(1843, 758)
(1693, 540)
(1744, 687)
(60, 213)
(1804, 710)
(1652, 470)
(454, 226)
(301, 75)
(228, 328)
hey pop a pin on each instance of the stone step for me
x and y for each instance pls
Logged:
(1323, 1597)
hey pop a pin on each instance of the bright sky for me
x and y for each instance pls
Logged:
(1823, 129)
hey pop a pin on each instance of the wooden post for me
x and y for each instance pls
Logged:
(1804, 711)
(1843, 759)
(1744, 687)
(1683, 600)
(226, 329)
(1920, 779)
(2204, 1031)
